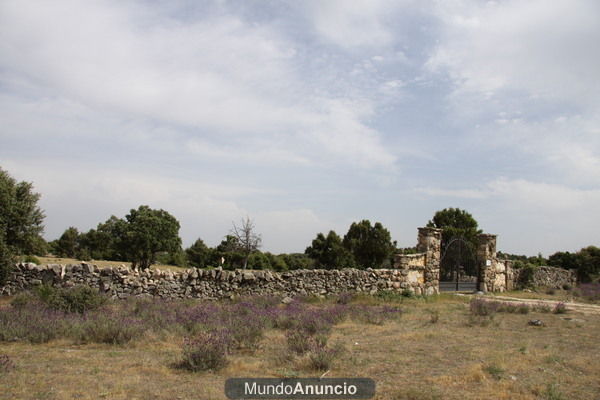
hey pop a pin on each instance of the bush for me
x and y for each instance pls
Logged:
(321, 357)
(77, 299)
(23, 299)
(7, 261)
(298, 342)
(31, 322)
(207, 351)
(560, 308)
(483, 307)
(107, 327)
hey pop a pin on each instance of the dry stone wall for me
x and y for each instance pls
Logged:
(121, 282)
(544, 276)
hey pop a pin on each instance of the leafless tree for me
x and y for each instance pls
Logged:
(248, 240)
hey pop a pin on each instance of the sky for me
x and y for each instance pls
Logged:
(308, 115)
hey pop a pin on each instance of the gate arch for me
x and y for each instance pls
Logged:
(459, 266)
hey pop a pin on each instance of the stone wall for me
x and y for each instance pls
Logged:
(121, 282)
(418, 273)
(544, 276)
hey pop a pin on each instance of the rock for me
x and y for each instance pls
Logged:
(535, 322)
(248, 276)
(287, 300)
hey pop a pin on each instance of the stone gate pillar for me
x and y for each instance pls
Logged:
(486, 260)
(430, 243)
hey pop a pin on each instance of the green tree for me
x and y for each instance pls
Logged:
(227, 253)
(298, 261)
(68, 243)
(259, 260)
(110, 239)
(328, 252)
(459, 240)
(147, 233)
(198, 254)
(371, 245)
(588, 260)
(21, 221)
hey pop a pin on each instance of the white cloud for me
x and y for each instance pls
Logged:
(223, 75)
(359, 23)
(532, 215)
(545, 49)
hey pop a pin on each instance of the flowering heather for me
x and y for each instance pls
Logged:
(206, 351)
(321, 357)
(589, 291)
(108, 327)
(199, 316)
(483, 307)
(33, 323)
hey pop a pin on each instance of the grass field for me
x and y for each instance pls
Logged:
(437, 350)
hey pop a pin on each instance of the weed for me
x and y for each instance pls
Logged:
(6, 364)
(495, 371)
(552, 393)
(560, 308)
(434, 316)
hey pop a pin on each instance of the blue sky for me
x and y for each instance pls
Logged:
(308, 115)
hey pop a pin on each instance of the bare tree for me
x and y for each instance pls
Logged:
(248, 240)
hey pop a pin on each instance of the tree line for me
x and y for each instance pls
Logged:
(147, 236)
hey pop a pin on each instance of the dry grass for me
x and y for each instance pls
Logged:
(413, 358)
(103, 263)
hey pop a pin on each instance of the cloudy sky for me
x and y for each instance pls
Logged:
(308, 115)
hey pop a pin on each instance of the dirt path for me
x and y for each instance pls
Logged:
(581, 307)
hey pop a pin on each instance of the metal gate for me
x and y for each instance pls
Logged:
(458, 267)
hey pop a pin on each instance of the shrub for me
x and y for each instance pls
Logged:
(321, 357)
(32, 322)
(434, 316)
(523, 308)
(495, 371)
(7, 260)
(483, 307)
(23, 299)
(560, 308)
(246, 332)
(107, 327)
(206, 351)
(589, 291)
(567, 286)
(6, 364)
(298, 342)
(76, 299)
